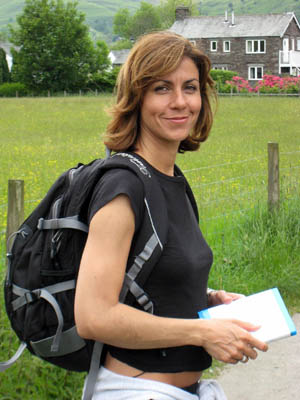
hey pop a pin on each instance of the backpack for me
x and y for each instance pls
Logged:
(44, 260)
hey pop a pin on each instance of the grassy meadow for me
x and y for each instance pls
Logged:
(253, 249)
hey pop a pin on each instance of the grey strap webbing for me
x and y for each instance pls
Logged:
(26, 296)
(128, 285)
(69, 342)
(131, 275)
(9, 363)
(62, 223)
(60, 319)
(93, 372)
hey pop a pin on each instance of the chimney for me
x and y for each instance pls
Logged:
(181, 13)
(232, 18)
(226, 16)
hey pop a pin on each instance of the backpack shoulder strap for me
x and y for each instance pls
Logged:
(152, 236)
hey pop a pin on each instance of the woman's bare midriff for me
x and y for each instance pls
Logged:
(179, 379)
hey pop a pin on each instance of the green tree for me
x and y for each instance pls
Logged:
(167, 9)
(122, 22)
(56, 51)
(122, 44)
(4, 71)
(145, 19)
(102, 59)
(3, 36)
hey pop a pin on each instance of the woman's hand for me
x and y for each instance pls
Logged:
(231, 341)
(217, 297)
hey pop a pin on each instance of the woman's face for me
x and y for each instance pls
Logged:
(171, 105)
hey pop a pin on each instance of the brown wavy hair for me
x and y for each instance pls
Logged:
(153, 56)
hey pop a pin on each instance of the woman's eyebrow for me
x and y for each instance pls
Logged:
(170, 82)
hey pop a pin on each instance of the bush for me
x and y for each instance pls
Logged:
(268, 90)
(226, 88)
(13, 89)
(104, 81)
(240, 85)
(220, 76)
(277, 84)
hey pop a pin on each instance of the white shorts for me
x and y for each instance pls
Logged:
(112, 386)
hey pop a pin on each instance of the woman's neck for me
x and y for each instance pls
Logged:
(160, 159)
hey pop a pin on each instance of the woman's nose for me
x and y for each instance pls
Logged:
(178, 99)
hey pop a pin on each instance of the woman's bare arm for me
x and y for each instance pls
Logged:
(100, 316)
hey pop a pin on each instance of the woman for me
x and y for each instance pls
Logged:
(162, 108)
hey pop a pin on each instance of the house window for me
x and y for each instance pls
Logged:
(226, 46)
(255, 72)
(255, 46)
(213, 45)
(220, 66)
(298, 44)
(293, 44)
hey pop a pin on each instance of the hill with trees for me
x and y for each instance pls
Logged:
(100, 13)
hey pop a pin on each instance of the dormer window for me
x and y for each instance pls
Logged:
(213, 45)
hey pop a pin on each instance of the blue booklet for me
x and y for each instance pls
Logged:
(266, 309)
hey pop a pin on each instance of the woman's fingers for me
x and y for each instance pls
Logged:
(252, 341)
(231, 341)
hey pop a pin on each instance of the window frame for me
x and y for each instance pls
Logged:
(211, 45)
(255, 44)
(255, 68)
(223, 67)
(224, 46)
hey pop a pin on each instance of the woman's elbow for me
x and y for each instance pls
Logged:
(84, 326)
(89, 325)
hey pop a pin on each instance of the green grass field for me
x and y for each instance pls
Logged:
(254, 250)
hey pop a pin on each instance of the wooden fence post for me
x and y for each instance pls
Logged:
(15, 211)
(273, 176)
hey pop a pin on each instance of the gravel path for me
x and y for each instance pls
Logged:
(274, 375)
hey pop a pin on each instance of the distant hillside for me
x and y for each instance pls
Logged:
(240, 7)
(99, 13)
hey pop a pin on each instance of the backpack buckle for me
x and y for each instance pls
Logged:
(145, 302)
(30, 297)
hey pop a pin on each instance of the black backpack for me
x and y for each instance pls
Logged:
(44, 261)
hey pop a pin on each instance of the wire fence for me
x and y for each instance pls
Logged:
(222, 201)
(98, 92)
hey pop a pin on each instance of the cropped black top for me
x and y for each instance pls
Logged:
(177, 285)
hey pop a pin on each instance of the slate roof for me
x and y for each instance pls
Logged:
(6, 47)
(119, 57)
(244, 26)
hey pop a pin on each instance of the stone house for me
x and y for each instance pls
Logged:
(251, 45)
(6, 47)
(118, 57)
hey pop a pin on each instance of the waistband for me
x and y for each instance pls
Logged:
(191, 388)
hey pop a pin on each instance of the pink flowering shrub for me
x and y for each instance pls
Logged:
(269, 84)
(277, 84)
(240, 84)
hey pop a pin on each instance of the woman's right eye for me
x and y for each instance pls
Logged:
(160, 89)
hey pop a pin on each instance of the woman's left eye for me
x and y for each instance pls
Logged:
(191, 88)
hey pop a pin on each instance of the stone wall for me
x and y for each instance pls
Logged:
(238, 60)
